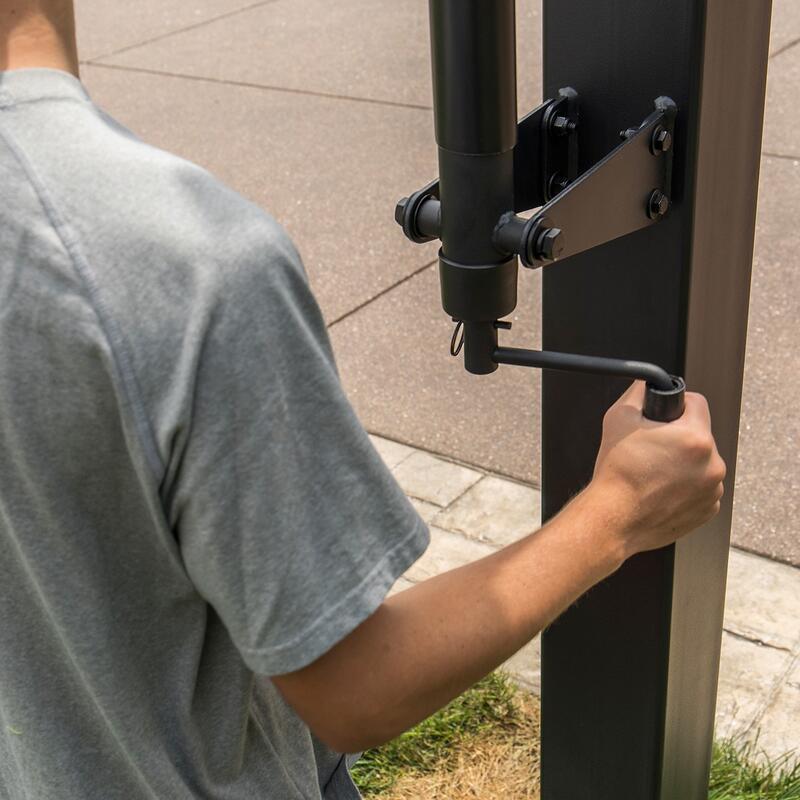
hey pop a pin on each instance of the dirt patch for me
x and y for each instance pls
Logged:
(497, 764)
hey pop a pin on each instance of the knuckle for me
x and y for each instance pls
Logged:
(697, 399)
(699, 445)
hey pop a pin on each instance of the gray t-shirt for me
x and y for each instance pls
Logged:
(187, 501)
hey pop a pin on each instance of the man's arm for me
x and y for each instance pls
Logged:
(653, 483)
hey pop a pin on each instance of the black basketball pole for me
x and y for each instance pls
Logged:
(629, 674)
(641, 169)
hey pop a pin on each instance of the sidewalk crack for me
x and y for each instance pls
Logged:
(755, 640)
(176, 31)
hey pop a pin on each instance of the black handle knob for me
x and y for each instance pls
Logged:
(663, 405)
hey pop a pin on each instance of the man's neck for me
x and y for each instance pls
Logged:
(38, 34)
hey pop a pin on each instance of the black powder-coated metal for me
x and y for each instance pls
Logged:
(474, 67)
(611, 198)
(629, 673)
(665, 405)
(475, 113)
(592, 365)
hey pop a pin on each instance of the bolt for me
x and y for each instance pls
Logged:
(562, 126)
(627, 133)
(661, 141)
(400, 210)
(550, 244)
(657, 205)
(557, 184)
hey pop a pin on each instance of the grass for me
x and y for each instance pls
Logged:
(488, 707)
(485, 745)
(737, 775)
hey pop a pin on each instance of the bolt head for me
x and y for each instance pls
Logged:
(551, 244)
(662, 140)
(400, 210)
(658, 204)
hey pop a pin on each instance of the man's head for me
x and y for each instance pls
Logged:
(38, 33)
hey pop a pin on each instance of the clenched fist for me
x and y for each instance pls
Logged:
(656, 481)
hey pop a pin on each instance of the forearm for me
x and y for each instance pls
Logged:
(426, 645)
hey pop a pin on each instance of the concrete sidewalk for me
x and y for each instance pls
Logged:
(315, 108)
(472, 513)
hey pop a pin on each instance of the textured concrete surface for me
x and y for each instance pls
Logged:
(331, 168)
(107, 27)
(394, 361)
(782, 126)
(785, 25)
(759, 688)
(432, 480)
(494, 510)
(767, 497)
(370, 49)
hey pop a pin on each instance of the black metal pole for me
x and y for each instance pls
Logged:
(629, 673)
(475, 111)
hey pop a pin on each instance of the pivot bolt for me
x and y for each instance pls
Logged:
(557, 184)
(657, 205)
(550, 244)
(661, 141)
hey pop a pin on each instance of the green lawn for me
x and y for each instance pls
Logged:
(494, 716)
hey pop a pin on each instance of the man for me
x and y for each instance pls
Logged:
(196, 535)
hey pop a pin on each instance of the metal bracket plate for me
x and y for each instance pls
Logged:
(627, 190)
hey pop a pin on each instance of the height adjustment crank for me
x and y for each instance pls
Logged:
(489, 179)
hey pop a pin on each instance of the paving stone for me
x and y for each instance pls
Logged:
(105, 27)
(391, 452)
(778, 730)
(785, 24)
(372, 49)
(782, 116)
(446, 551)
(327, 169)
(494, 509)
(426, 510)
(748, 674)
(526, 666)
(432, 479)
(763, 600)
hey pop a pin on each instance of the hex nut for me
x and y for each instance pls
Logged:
(562, 126)
(662, 140)
(551, 244)
(400, 210)
(658, 204)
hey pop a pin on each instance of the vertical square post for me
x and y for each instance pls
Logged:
(630, 672)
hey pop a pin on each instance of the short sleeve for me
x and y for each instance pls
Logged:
(288, 521)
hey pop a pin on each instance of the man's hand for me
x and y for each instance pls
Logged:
(658, 481)
(653, 483)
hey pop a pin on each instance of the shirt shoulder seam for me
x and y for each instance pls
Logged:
(109, 329)
(7, 100)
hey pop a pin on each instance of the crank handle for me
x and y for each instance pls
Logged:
(665, 394)
(665, 405)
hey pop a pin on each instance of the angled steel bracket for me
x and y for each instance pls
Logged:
(627, 190)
